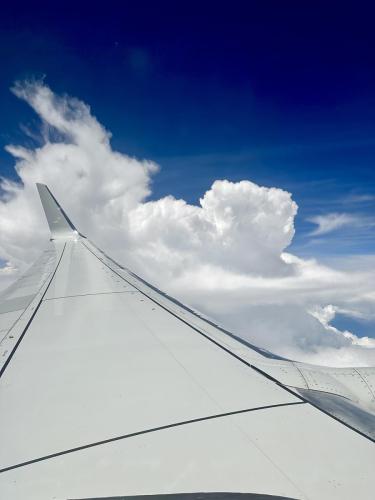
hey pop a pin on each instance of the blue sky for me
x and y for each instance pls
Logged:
(280, 93)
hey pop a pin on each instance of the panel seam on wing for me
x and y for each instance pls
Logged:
(147, 431)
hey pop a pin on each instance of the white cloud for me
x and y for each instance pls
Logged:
(359, 198)
(327, 314)
(8, 274)
(225, 257)
(330, 222)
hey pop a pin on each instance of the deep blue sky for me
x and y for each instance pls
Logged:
(281, 93)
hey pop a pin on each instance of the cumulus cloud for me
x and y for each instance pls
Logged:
(226, 256)
(240, 227)
(327, 314)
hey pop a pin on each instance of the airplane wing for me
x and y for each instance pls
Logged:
(110, 388)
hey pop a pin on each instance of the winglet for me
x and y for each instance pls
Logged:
(59, 223)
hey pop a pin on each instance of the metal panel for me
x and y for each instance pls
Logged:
(205, 456)
(81, 273)
(324, 458)
(115, 357)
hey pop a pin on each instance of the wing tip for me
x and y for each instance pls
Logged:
(59, 223)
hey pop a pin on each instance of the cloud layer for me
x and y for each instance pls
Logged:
(225, 257)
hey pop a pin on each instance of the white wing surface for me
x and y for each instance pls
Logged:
(111, 389)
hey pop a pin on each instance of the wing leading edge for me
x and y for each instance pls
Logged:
(111, 388)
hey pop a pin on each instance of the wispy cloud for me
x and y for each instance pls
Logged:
(331, 222)
(359, 198)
